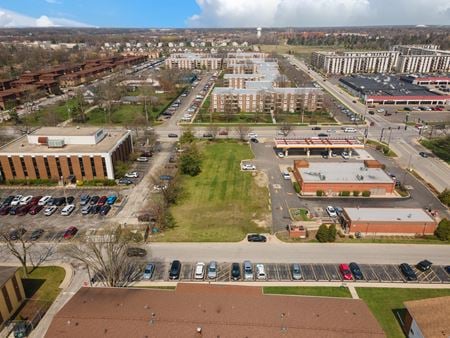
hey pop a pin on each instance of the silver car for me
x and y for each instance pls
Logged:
(212, 270)
(296, 272)
(248, 270)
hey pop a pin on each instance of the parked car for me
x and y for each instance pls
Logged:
(248, 270)
(70, 232)
(94, 199)
(5, 210)
(447, 269)
(280, 154)
(212, 270)
(59, 201)
(105, 210)
(296, 271)
(256, 238)
(235, 271)
(286, 175)
(132, 174)
(50, 210)
(172, 135)
(175, 269)
(36, 234)
(16, 200)
(223, 132)
(248, 166)
(84, 199)
(316, 128)
(345, 155)
(254, 140)
(35, 200)
(345, 272)
(15, 234)
(44, 200)
(111, 199)
(96, 209)
(125, 181)
(260, 272)
(22, 329)
(199, 270)
(207, 135)
(408, 272)
(252, 135)
(136, 252)
(148, 271)
(7, 201)
(86, 209)
(356, 271)
(424, 154)
(67, 210)
(424, 265)
(331, 211)
(70, 199)
(13, 210)
(102, 200)
(23, 210)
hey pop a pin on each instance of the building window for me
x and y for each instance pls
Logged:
(58, 166)
(105, 172)
(7, 300)
(11, 165)
(1, 319)
(80, 161)
(94, 172)
(47, 167)
(24, 167)
(33, 160)
(17, 289)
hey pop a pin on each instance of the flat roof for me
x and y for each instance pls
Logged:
(21, 146)
(397, 215)
(218, 310)
(343, 172)
(431, 315)
(67, 131)
(317, 142)
(6, 272)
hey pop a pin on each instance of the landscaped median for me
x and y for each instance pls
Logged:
(222, 203)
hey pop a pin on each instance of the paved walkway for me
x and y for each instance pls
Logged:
(353, 292)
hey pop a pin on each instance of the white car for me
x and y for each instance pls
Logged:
(25, 200)
(133, 174)
(252, 135)
(67, 210)
(142, 159)
(50, 210)
(331, 211)
(44, 200)
(16, 200)
(286, 175)
(200, 270)
(280, 154)
(248, 167)
(345, 155)
(260, 272)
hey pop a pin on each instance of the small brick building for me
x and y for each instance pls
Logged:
(335, 177)
(388, 221)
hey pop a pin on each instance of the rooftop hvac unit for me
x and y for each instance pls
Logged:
(58, 143)
(42, 139)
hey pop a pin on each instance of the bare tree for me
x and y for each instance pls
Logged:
(108, 93)
(213, 129)
(106, 257)
(80, 106)
(285, 128)
(242, 130)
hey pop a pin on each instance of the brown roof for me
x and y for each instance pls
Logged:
(432, 315)
(220, 311)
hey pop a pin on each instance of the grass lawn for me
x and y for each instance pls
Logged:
(393, 240)
(222, 203)
(320, 291)
(439, 146)
(51, 115)
(299, 214)
(385, 303)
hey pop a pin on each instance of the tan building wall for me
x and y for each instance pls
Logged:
(12, 296)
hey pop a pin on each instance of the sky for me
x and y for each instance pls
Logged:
(222, 13)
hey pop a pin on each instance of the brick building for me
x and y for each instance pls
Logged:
(335, 177)
(52, 152)
(12, 294)
(388, 221)
(193, 61)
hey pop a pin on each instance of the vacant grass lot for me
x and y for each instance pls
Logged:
(386, 303)
(323, 291)
(439, 146)
(51, 115)
(222, 203)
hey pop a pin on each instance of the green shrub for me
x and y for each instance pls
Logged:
(444, 197)
(35, 182)
(355, 193)
(366, 193)
(297, 187)
(322, 233)
(443, 230)
(320, 193)
(345, 193)
(332, 233)
(97, 183)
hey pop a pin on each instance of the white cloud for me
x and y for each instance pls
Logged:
(316, 13)
(9, 19)
(57, 2)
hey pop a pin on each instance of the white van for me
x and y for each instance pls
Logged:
(350, 130)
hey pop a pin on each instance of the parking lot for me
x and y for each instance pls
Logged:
(373, 273)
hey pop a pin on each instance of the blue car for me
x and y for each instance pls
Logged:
(111, 199)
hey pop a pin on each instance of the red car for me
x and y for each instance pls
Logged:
(23, 210)
(5, 210)
(35, 209)
(102, 201)
(345, 272)
(70, 232)
(35, 200)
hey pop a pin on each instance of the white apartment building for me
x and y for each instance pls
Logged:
(193, 61)
(401, 59)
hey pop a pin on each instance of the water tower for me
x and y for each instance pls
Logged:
(258, 32)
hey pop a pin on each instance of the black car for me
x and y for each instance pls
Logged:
(7, 201)
(70, 199)
(175, 269)
(424, 154)
(256, 238)
(136, 252)
(254, 140)
(36, 234)
(13, 210)
(16, 234)
(356, 271)
(447, 269)
(125, 181)
(105, 209)
(21, 329)
(424, 265)
(316, 128)
(51, 201)
(94, 199)
(96, 209)
(60, 201)
(408, 272)
(207, 135)
(235, 271)
(172, 135)
(323, 135)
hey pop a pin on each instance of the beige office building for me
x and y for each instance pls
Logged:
(191, 61)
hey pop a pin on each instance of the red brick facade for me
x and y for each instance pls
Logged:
(371, 227)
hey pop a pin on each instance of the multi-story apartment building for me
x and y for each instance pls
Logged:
(401, 59)
(193, 61)
(54, 153)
